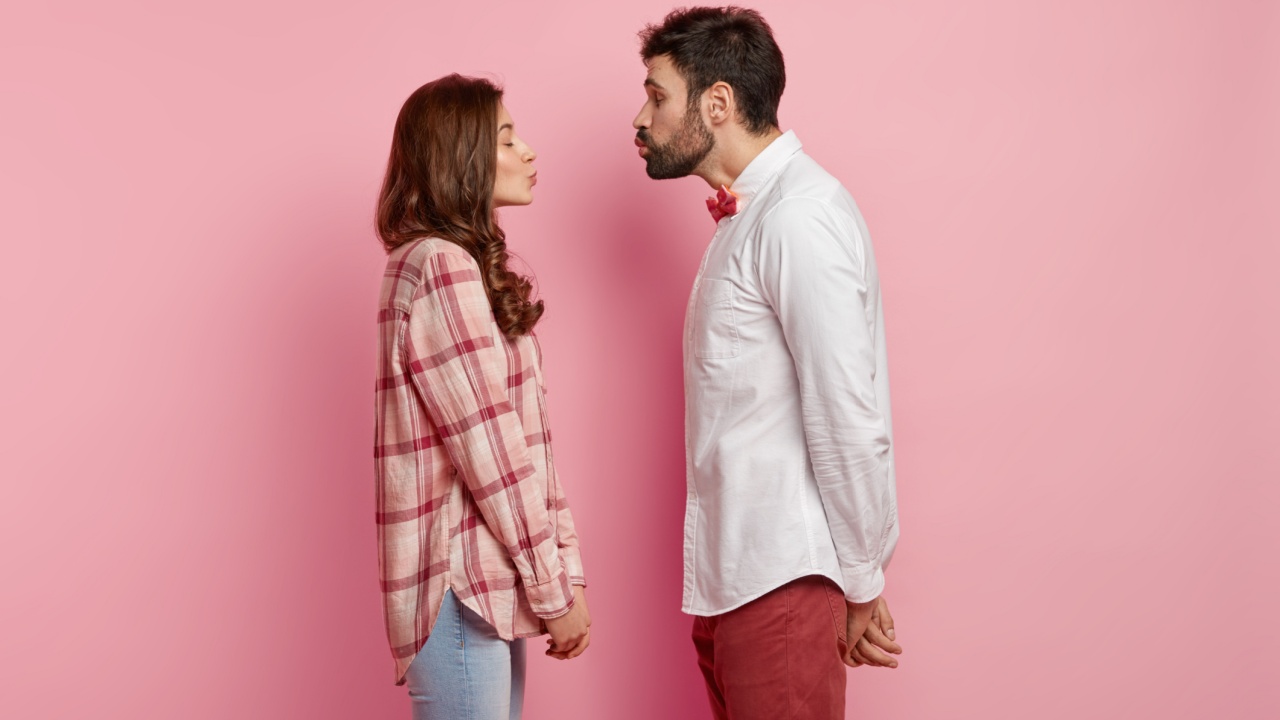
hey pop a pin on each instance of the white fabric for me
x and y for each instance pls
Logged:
(788, 431)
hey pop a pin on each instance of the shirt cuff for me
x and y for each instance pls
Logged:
(573, 565)
(552, 598)
(863, 584)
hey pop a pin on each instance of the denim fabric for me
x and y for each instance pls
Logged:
(465, 671)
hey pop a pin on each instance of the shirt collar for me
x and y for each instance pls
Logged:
(761, 170)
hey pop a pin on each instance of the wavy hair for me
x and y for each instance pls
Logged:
(439, 183)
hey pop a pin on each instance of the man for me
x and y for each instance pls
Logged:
(792, 512)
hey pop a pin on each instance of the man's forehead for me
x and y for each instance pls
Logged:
(661, 72)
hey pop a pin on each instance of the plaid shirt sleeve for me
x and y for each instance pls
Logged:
(569, 540)
(568, 534)
(458, 368)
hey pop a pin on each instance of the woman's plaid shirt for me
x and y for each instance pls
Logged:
(466, 485)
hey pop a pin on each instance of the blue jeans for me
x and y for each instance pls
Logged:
(465, 671)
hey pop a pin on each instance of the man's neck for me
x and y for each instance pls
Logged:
(733, 154)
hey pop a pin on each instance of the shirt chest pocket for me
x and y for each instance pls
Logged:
(715, 330)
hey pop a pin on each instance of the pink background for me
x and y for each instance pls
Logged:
(1074, 206)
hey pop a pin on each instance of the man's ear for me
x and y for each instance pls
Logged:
(719, 103)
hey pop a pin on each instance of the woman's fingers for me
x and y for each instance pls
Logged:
(582, 647)
(572, 652)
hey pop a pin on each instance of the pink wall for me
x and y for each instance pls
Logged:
(1074, 206)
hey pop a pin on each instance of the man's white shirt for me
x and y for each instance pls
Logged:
(787, 425)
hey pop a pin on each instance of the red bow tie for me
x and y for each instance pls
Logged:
(724, 204)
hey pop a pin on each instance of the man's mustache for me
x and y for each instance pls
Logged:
(643, 136)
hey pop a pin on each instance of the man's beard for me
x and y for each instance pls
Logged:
(681, 155)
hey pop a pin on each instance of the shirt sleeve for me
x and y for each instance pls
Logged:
(567, 534)
(460, 371)
(812, 273)
(568, 538)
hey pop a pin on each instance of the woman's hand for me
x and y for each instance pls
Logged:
(571, 632)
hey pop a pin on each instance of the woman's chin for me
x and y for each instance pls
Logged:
(513, 202)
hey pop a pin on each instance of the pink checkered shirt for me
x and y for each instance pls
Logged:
(468, 496)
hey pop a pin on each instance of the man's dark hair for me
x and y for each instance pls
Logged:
(730, 44)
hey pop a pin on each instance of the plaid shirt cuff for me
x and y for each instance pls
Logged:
(552, 598)
(573, 565)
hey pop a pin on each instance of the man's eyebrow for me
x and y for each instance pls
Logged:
(650, 82)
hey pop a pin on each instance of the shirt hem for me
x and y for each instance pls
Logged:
(688, 609)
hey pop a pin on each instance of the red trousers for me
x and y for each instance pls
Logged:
(777, 657)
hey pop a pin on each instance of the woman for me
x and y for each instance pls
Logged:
(477, 549)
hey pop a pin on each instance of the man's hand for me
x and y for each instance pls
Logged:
(570, 633)
(875, 643)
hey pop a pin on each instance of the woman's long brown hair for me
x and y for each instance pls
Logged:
(439, 183)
